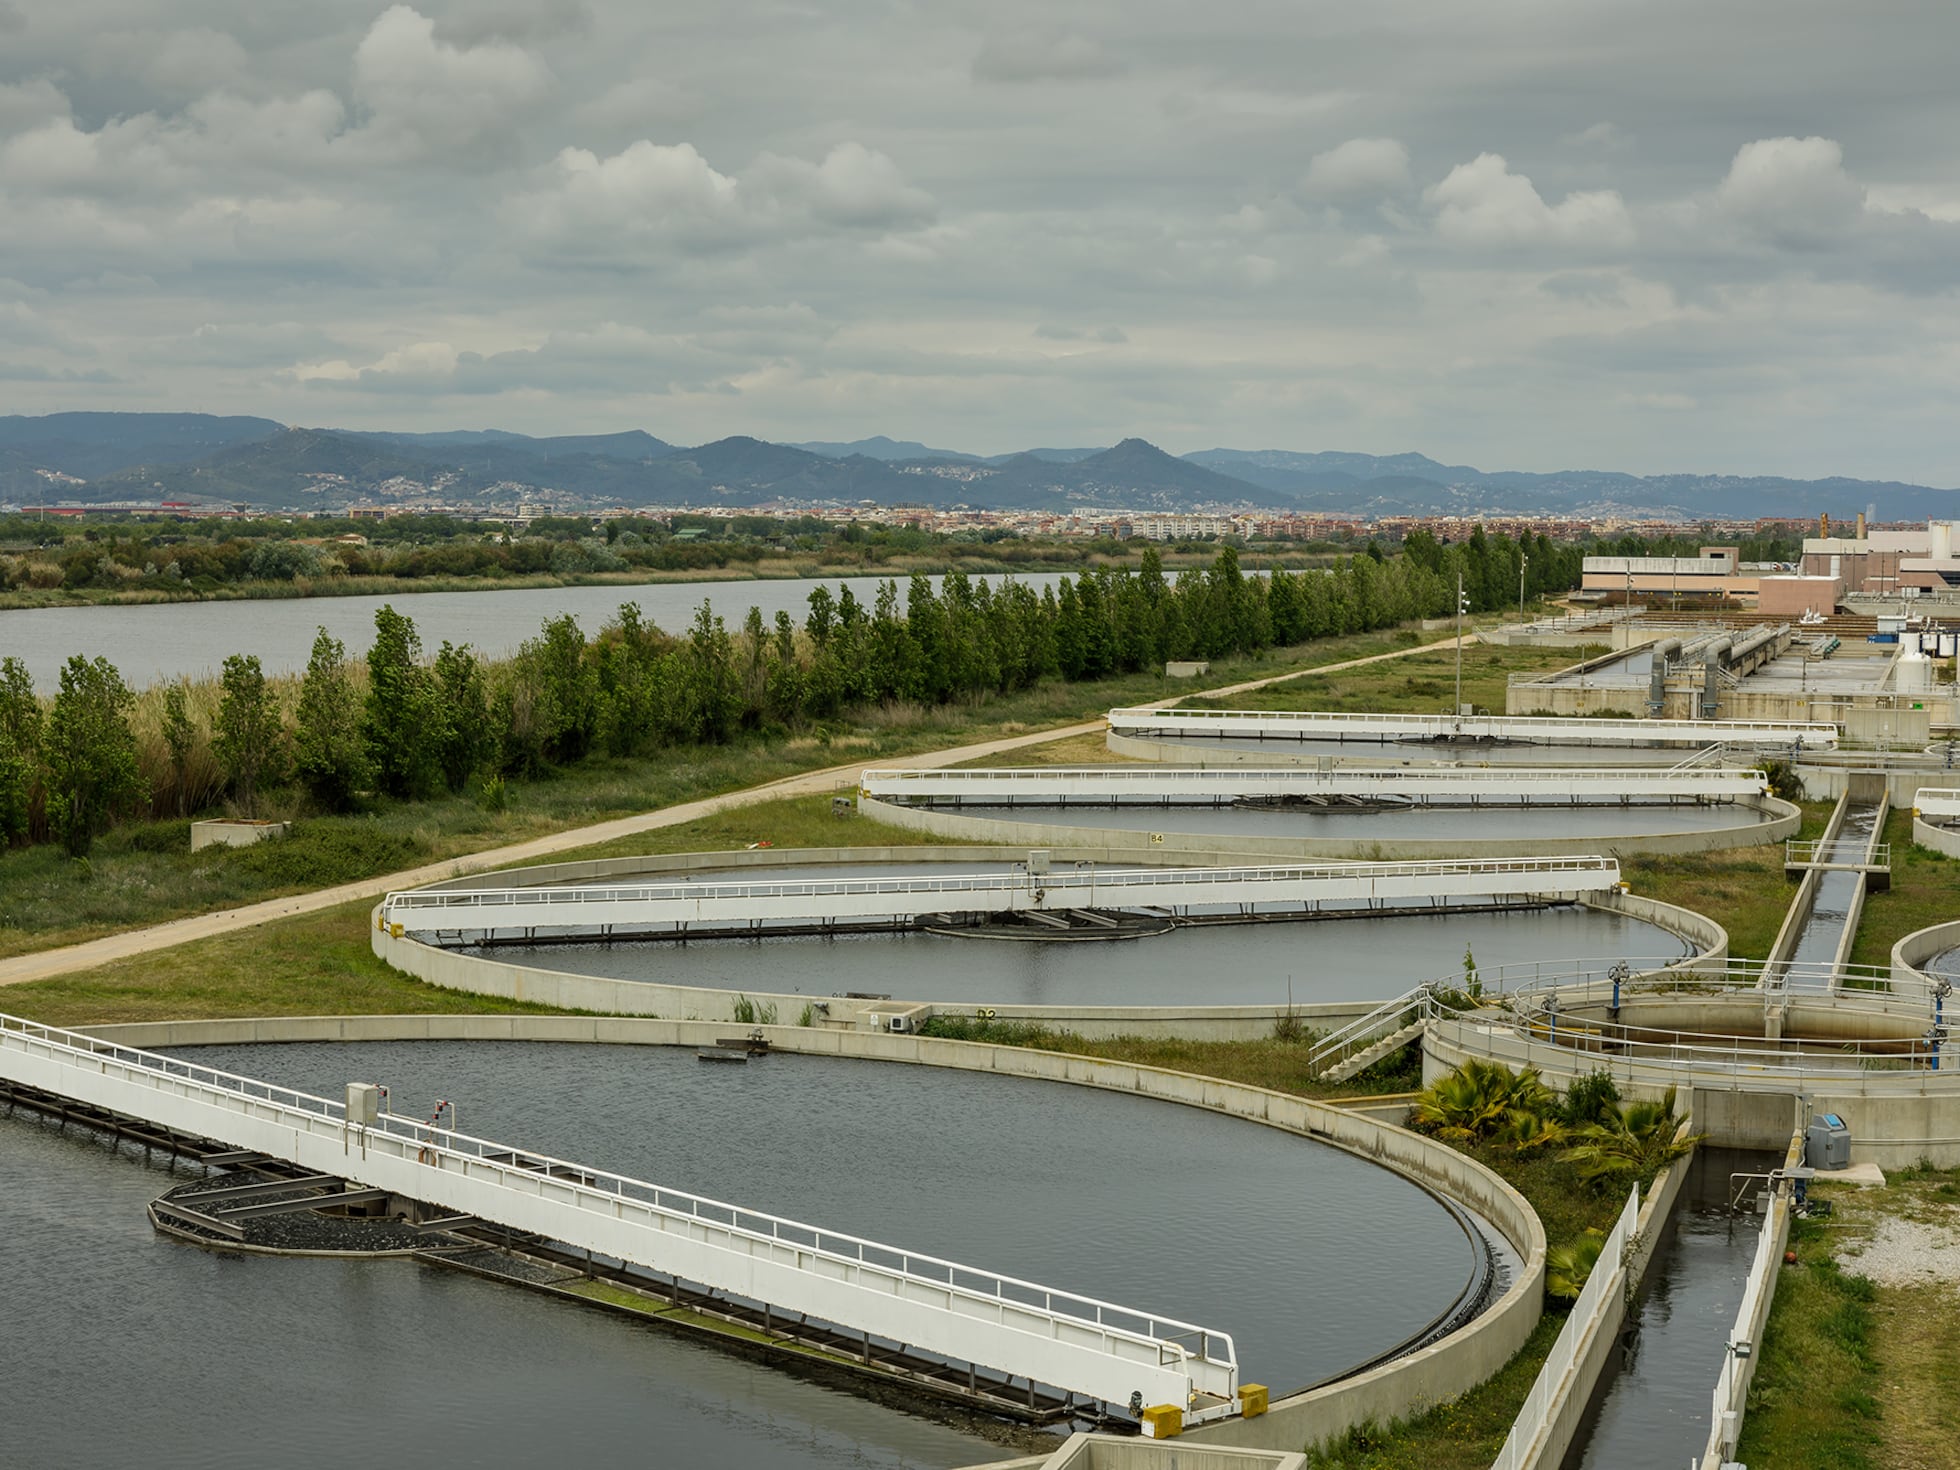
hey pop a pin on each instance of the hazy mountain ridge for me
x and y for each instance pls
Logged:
(115, 456)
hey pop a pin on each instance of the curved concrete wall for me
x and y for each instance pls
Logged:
(1897, 1119)
(1270, 753)
(1440, 1371)
(565, 991)
(1911, 955)
(1769, 820)
(1935, 838)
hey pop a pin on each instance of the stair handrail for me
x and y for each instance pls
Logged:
(1384, 1020)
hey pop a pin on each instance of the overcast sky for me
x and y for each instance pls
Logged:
(1626, 234)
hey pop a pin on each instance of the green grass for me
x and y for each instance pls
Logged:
(1742, 889)
(313, 965)
(1813, 1404)
(1925, 890)
(1423, 683)
(1463, 1434)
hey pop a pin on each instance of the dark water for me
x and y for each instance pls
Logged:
(1817, 942)
(123, 1348)
(162, 641)
(1424, 824)
(1653, 1404)
(1322, 959)
(1311, 1258)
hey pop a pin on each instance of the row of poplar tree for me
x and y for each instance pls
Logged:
(416, 726)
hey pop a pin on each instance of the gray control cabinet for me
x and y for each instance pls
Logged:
(1827, 1144)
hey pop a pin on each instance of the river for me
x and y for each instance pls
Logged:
(152, 642)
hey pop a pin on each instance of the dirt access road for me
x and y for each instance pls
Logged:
(22, 968)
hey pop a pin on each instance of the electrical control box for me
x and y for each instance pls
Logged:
(1827, 1143)
(363, 1103)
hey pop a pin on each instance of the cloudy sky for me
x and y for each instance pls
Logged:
(1535, 234)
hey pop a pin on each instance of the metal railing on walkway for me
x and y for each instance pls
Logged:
(1070, 1341)
(1837, 852)
(820, 900)
(1167, 786)
(1244, 724)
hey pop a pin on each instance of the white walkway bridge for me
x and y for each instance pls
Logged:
(1940, 804)
(1240, 724)
(693, 908)
(1221, 786)
(1091, 1348)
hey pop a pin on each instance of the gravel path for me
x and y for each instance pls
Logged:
(1903, 1252)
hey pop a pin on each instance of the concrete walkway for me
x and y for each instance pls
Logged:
(111, 947)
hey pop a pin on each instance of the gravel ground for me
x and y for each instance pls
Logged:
(1902, 1252)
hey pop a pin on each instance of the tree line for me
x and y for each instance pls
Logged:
(403, 724)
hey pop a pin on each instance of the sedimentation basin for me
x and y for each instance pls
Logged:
(1315, 1258)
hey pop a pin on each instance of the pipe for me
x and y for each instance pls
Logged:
(1664, 650)
(1712, 664)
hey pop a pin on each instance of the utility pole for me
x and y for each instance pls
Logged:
(1523, 562)
(1456, 711)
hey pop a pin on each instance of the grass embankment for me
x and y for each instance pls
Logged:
(1925, 890)
(320, 965)
(144, 873)
(1424, 683)
(1743, 889)
(1853, 1367)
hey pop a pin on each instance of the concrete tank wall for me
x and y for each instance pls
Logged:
(1429, 1376)
(1759, 820)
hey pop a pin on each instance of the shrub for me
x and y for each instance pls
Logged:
(319, 855)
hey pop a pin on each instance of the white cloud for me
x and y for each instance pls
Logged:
(194, 61)
(853, 186)
(418, 363)
(422, 93)
(1360, 166)
(1483, 204)
(650, 195)
(1793, 191)
(123, 155)
(25, 104)
(646, 192)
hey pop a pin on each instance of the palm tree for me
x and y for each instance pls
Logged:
(1530, 1132)
(1637, 1140)
(1567, 1266)
(1478, 1099)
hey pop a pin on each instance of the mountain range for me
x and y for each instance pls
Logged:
(98, 457)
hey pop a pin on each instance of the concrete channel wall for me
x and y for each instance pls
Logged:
(1598, 1335)
(1731, 1397)
(1440, 1371)
(485, 975)
(1860, 787)
(1768, 819)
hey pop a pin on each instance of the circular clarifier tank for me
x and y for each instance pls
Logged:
(125, 1348)
(1315, 1260)
(1357, 957)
